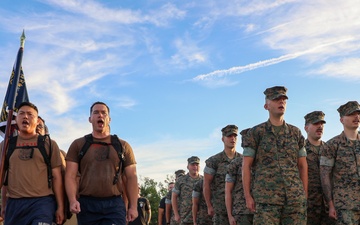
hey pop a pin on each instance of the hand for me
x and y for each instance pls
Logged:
(75, 207)
(132, 214)
(232, 220)
(211, 211)
(59, 216)
(332, 213)
(250, 204)
(177, 218)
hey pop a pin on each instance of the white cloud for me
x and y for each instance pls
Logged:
(347, 69)
(188, 53)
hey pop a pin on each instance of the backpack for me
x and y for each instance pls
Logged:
(115, 142)
(40, 146)
(47, 159)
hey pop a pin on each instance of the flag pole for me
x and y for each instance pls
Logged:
(11, 105)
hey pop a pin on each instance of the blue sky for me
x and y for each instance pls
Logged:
(175, 72)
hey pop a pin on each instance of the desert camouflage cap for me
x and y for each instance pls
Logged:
(348, 108)
(229, 130)
(275, 92)
(179, 173)
(193, 159)
(315, 117)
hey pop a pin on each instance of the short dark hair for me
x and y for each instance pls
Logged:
(171, 183)
(31, 105)
(46, 129)
(99, 103)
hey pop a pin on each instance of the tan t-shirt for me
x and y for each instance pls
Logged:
(28, 176)
(99, 165)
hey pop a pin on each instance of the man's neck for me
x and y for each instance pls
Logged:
(351, 134)
(230, 152)
(314, 142)
(26, 135)
(276, 120)
(100, 135)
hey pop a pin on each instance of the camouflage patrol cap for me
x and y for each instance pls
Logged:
(275, 92)
(179, 173)
(229, 130)
(193, 159)
(348, 108)
(315, 117)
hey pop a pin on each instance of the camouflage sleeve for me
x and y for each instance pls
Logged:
(302, 149)
(210, 165)
(168, 198)
(177, 188)
(302, 152)
(249, 152)
(196, 194)
(249, 143)
(327, 157)
(229, 178)
(197, 189)
(232, 169)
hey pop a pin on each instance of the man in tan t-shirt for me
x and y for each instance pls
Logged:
(31, 198)
(100, 199)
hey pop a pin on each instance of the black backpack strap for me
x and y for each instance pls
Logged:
(115, 142)
(10, 150)
(47, 158)
(88, 142)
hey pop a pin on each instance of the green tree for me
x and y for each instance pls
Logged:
(153, 191)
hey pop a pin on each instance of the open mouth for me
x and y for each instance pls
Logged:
(100, 122)
(25, 122)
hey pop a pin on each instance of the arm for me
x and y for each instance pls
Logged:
(168, 212)
(208, 178)
(71, 186)
(3, 200)
(195, 209)
(148, 212)
(246, 177)
(160, 215)
(131, 191)
(174, 203)
(229, 186)
(124, 196)
(58, 189)
(325, 175)
(303, 170)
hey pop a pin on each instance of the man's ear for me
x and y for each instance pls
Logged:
(89, 119)
(265, 106)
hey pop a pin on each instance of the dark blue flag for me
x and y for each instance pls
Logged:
(21, 96)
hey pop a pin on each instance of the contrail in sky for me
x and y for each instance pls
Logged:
(268, 62)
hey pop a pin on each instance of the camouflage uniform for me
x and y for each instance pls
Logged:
(277, 183)
(317, 212)
(202, 218)
(343, 155)
(183, 188)
(234, 175)
(168, 201)
(217, 166)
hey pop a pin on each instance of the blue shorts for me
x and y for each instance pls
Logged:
(30, 211)
(101, 211)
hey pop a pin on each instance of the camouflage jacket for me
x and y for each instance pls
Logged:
(345, 155)
(202, 217)
(183, 188)
(277, 177)
(234, 175)
(216, 165)
(315, 193)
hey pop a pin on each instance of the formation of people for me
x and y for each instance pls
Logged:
(281, 177)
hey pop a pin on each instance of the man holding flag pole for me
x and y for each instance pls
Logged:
(30, 172)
